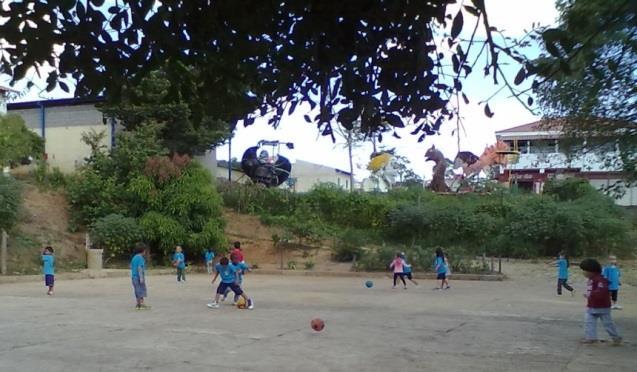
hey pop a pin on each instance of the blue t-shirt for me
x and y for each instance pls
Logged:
(612, 274)
(227, 273)
(562, 268)
(135, 264)
(242, 267)
(406, 267)
(48, 262)
(441, 265)
(178, 256)
(209, 256)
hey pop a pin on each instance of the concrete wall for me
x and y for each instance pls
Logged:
(308, 175)
(62, 132)
(628, 200)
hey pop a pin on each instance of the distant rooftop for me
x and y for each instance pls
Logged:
(54, 103)
(7, 89)
(542, 125)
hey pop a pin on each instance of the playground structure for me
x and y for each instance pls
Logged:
(382, 165)
(268, 168)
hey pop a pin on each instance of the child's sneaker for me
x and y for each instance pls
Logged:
(586, 341)
(573, 293)
(616, 307)
(250, 304)
(213, 305)
(50, 293)
(143, 307)
(617, 341)
(448, 287)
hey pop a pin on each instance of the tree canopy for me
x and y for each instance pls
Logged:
(17, 141)
(387, 63)
(588, 75)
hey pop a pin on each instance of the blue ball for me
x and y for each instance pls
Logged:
(369, 284)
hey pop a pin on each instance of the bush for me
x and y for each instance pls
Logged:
(10, 201)
(308, 265)
(349, 245)
(44, 177)
(115, 234)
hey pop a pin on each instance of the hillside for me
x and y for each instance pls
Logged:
(44, 220)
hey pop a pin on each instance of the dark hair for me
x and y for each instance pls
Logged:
(223, 261)
(139, 248)
(237, 244)
(590, 265)
(48, 248)
(439, 252)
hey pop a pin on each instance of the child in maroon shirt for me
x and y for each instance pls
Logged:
(598, 304)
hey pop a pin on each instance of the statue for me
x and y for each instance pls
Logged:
(438, 183)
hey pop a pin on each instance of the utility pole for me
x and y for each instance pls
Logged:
(3, 253)
(230, 159)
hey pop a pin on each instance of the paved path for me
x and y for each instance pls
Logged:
(515, 325)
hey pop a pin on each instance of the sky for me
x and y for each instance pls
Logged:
(512, 17)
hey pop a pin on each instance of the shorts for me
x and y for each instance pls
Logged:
(613, 294)
(408, 276)
(234, 286)
(49, 279)
(139, 288)
(441, 276)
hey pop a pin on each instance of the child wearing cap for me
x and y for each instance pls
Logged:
(612, 273)
(598, 303)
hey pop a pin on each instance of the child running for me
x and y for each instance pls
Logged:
(138, 275)
(407, 268)
(562, 274)
(440, 266)
(209, 259)
(397, 266)
(229, 279)
(179, 261)
(612, 273)
(243, 268)
(598, 304)
(48, 268)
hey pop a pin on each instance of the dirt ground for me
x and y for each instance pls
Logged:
(518, 324)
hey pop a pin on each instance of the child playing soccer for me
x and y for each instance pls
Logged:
(598, 305)
(138, 275)
(407, 268)
(179, 261)
(243, 268)
(397, 266)
(209, 258)
(48, 268)
(229, 279)
(562, 274)
(612, 273)
(440, 266)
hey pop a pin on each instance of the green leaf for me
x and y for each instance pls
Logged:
(456, 26)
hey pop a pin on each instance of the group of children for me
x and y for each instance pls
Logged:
(230, 270)
(602, 289)
(402, 269)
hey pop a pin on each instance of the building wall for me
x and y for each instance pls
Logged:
(209, 161)
(308, 175)
(628, 200)
(62, 132)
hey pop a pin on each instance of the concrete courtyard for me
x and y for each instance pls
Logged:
(515, 325)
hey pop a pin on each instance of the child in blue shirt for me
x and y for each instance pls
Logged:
(229, 279)
(179, 261)
(562, 274)
(407, 269)
(48, 268)
(243, 268)
(209, 257)
(440, 266)
(138, 275)
(612, 273)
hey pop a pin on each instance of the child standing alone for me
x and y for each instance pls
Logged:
(398, 267)
(209, 258)
(179, 261)
(48, 268)
(138, 275)
(612, 273)
(598, 303)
